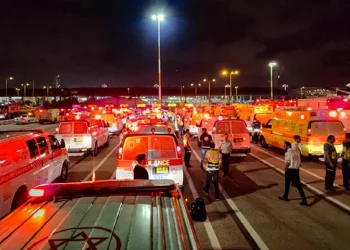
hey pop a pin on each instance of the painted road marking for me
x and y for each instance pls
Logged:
(315, 190)
(207, 225)
(100, 164)
(258, 241)
(304, 170)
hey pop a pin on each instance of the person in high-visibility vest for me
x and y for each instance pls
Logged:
(211, 165)
(330, 160)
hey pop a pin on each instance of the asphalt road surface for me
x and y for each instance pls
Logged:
(249, 214)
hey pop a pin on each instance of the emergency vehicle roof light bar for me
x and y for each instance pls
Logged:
(106, 187)
(39, 131)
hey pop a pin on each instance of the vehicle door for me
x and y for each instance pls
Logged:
(220, 129)
(46, 160)
(102, 132)
(240, 134)
(57, 155)
(38, 174)
(267, 132)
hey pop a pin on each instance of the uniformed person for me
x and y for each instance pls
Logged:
(330, 161)
(211, 165)
(346, 162)
(187, 147)
(225, 150)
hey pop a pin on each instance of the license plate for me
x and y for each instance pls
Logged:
(238, 139)
(162, 170)
(79, 139)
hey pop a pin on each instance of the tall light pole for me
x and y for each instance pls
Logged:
(285, 86)
(209, 81)
(230, 74)
(33, 88)
(271, 65)
(236, 87)
(47, 90)
(25, 88)
(301, 92)
(159, 18)
(18, 90)
(181, 88)
(7, 78)
(195, 88)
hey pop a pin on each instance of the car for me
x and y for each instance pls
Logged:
(163, 154)
(28, 158)
(237, 132)
(25, 118)
(83, 136)
(3, 116)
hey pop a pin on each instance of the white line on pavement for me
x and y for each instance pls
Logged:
(317, 191)
(304, 170)
(258, 241)
(207, 225)
(101, 163)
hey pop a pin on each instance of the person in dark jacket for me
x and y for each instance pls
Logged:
(140, 171)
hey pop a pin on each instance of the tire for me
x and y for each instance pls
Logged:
(263, 142)
(20, 197)
(106, 144)
(95, 151)
(64, 173)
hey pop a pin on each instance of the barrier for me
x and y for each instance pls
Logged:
(4, 122)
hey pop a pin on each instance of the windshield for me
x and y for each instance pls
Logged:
(327, 128)
(238, 127)
(223, 127)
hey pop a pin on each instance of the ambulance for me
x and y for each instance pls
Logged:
(313, 126)
(28, 158)
(83, 136)
(164, 157)
(104, 215)
(49, 116)
(237, 133)
(115, 124)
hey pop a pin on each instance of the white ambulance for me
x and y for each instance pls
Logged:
(28, 159)
(83, 136)
(163, 153)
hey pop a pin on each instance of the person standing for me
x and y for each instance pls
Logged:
(296, 146)
(292, 164)
(330, 161)
(225, 150)
(255, 131)
(140, 171)
(211, 164)
(187, 147)
(205, 140)
(346, 162)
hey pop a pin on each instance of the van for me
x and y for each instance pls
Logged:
(164, 157)
(83, 136)
(312, 126)
(115, 125)
(28, 158)
(237, 133)
(108, 215)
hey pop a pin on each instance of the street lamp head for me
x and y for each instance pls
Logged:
(10, 78)
(214, 80)
(272, 64)
(236, 87)
(154, 17)
(160, 17)
(224, 73)
(44, 87)
(192, 84)
(236, 72)
(205, 79)
(199, 84)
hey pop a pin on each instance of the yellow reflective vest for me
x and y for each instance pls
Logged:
(334, 154)
(213, 161)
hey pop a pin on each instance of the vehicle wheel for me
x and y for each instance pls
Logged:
(95, 151)
(263, 142)
(64, 173)
(106, 144)
(20, 197)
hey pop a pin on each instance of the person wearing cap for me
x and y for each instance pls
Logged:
(205, 140)
(225, 150)
(187, 147)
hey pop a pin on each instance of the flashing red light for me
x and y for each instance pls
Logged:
(169, 130)
(345, 100)
(153, 129)
(309, 132)
(40, 110)
(36, 192)
(309, 108)
(333, 113)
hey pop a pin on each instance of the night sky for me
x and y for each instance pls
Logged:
(114, 42)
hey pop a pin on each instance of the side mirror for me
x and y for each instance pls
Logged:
(263, 125)
(63, 144)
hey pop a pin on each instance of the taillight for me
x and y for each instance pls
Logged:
(309, 132)
(36, 192)
(179, 153)
(120, 151)
(333, 113)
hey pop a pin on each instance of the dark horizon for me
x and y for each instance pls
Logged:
(115, 42)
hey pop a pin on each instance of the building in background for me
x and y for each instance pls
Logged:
(58, 81)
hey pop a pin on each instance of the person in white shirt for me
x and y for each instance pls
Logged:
(292, 165)
(296, 146)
